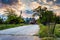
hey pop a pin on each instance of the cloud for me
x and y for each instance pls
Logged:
(57, 12)
(9, 2)
(25, 15)
(50, 3)
(34, 5)
(45, 1)
(54, 0)
(27, 2)
(56, 7)
(57, 1)
(31, 4)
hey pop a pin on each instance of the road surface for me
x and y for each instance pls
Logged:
(22, 30)
(9, 37)
(20, 33)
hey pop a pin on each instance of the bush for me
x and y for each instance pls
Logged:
(7, 26)
(12, 19)
(46, 31)
(1, 21)
(43, 31)
(58, 19)
(57, 30)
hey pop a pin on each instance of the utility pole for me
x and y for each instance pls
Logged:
(20, 13)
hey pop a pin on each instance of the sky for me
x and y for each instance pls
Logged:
(25, 5)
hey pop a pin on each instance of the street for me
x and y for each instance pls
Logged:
(22, 30)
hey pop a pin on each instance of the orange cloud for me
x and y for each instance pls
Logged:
(56, 7)
(34, 5)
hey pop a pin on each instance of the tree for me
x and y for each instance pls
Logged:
(58, 19)
(1, 20)
(45, 16)
(37, 11)
(12, 17)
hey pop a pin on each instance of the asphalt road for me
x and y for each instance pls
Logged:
(22, 30)
(9, 37)
(20, 33)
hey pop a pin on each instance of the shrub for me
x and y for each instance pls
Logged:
(57, 30)
(1, 20)
(58, 19)
(43, 31)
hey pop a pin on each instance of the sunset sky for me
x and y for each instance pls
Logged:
(25, 5)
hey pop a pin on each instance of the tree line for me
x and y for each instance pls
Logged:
(45, 16)
(12, 17)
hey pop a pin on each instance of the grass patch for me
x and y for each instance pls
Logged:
(43, 32)
(6, 26)
(57, 30)
(48, 38)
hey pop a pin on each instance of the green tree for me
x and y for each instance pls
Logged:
(12, 17)
(1, 21)
(45, 16)
(58, 19)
